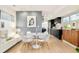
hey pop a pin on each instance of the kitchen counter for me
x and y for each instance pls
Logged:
(56, 32)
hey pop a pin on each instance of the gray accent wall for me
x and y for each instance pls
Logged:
(21, 21)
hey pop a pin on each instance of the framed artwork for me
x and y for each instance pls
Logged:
(2, 24)
(31, 21)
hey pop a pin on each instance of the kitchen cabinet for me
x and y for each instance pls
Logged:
(72, 36)
(54, 30)
(75, 37)
(57, 33)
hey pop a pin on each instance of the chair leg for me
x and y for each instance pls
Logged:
(47, 45)
(24, 44)
(29, 44)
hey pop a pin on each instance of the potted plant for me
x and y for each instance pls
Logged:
(77, 49)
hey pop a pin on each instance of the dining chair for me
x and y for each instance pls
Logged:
(43, 39)
(27, 39)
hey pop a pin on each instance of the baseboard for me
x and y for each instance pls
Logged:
(69, 44)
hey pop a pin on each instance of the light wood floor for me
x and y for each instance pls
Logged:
(55, 46)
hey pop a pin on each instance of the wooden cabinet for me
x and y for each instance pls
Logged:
(71, 36)
(66, 35)
(75, 37)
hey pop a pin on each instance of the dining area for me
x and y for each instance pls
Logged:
(35, 40)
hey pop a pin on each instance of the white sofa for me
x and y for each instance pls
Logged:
(5, 45)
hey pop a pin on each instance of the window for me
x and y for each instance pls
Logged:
(74, 17)
(66, 20)
(6, 16)
(3, 15)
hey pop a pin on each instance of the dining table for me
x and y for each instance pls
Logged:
(36, 44)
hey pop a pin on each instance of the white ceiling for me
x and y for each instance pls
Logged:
(51, 11)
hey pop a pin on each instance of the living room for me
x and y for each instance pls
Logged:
(39, 28)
